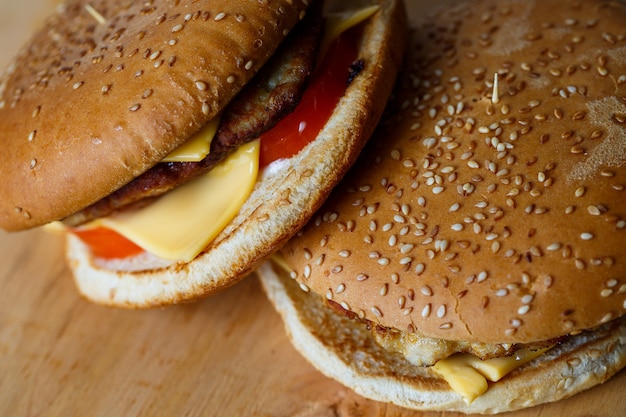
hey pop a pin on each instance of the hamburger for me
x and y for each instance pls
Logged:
(174, 142)
(472, 260)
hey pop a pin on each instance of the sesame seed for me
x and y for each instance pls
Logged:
(426, 291)
(501, 292)
(429, 143)
(586, 236)
(594, 210)
(606, 292)
(406, 248)
(362, 277)
(554, 246)
(606, 318)
(383, 289)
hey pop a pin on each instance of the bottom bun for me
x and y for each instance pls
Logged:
(344, 350)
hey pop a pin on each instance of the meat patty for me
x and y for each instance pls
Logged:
(273, 93)
(422, 350)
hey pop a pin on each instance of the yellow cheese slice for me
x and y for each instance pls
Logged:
(468, 375)
(197, 147)
(181, 223)
(459, 373)
(337, 23)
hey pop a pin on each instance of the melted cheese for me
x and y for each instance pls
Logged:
(184, 221)
(337, 23)
(468, 375)
(197, 147)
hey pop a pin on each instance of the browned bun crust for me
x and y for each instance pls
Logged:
(481, 218)
(88, 106)
(283, 200)
(344, 350)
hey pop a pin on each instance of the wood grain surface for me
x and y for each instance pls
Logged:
(224, 356)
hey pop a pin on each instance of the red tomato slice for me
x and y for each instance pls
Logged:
(327, 85)
(107, 243)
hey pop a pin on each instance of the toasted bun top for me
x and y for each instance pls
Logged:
(496, 219)
(106, 89)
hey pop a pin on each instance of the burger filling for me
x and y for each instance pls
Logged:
(283, 106)
(421, 350)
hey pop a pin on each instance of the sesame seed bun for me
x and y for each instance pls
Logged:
(486, 209)
(89, 105)
(283, 199)
(344, 350)
(477, 218)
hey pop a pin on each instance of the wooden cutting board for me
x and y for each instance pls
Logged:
(225, 356)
